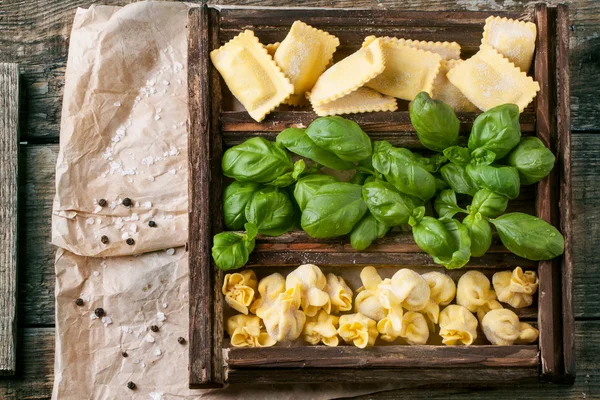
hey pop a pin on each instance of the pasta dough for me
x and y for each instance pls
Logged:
(414, 328)
(311, 283)
(283, 319)
(488, 79)
(367, 301)
(408, 289)
(358, 329)
(303, 56)
(502, 327)
(339, 293)
(408, 70)
(239, 289)
(457, 325)
(269, 288)
(322, 328)
(361, 100)
(348, 75)
(447, 50)
(431, 313)
(448, 93)
(513, 39)
(442, 287)
(516, 288)
(248, 331)
(251, 74)
(474, 292)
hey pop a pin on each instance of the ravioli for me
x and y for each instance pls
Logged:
(513, 39)
(361, 100)
(448, 93)
(447, 50)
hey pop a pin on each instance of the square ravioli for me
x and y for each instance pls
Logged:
(513, 39)
(408, 70)
(447, 50)
(361, 100)
(488, 79)
(251, 74)
(303, 56)
(448, 93)
(349, 74)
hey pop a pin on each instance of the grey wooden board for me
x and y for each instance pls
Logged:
(9, 167)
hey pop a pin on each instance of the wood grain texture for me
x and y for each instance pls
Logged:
(9, 180)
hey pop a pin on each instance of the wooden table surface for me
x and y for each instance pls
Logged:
(35, 34)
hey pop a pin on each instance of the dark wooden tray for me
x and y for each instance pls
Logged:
(216, 123)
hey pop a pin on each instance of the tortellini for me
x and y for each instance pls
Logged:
(283, 319)
(367, 301)
(311, 282)
(339, 293)
(414, 328)
(322, 328)
(442, 287)
(239, 289)
(358, 329)
(502, 327)
(269, 288)
(409, 289)
(516, 288)
(457, 325)
(431, 312)
(474, 292)
(248, 331)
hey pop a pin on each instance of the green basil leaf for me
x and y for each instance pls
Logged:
(307, 186)
(482, 156)
(387, 204)
(532, 159)
(432, 236)
(297, 141)
(488, 203)
(498, 179)
(462, 245)
(529, 237)
(256, 160)
(497, 130)
(457, 178)
(440, 185)
(431, 164)
(434, 121)
(400, 168)
(458, 155)
(480, 233)
(271, 211)
(445, 204)
(341, 137)
(235, 198)
(289, 178)
(359, 178)
(333, 210)
(231, 250)
(366, 231)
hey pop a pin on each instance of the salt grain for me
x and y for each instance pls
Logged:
(157, 352)
(164, 305)
(125, 236)
(126, 329)
(149, 338)
(165, 82)
(136, 361)
(160, 316)
(158, 109)
(117, 104)
(90, 221)
(170, 251)
(97, 209)
(96, 273)
(147, 204)
(93, 316)
(133, 228)
(134, 216)
(151, 178)
(172, 171)
(156, 395)
(107, 321)
(156, 117)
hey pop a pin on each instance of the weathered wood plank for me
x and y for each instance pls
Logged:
(9, 180)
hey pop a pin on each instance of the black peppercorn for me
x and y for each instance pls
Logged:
(130, 241)
(79, 302)
(180, 340)
(104, 239)
(102, 202)
(99, 312)
(152, 224)
(131, 385)
(154, 328)
(127, 202)
(124, 354)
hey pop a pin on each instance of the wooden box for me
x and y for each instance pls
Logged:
(216, 123)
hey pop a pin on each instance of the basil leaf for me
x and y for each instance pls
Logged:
(433, 238)
(440, 185)
(289, 178)
(431, 164)
(498, 179)
(457, 178)
(235, 198)
(462, 245)
(387, 204)
(256, 160)
(434, 121)
(532, 159)
(297, 141)
(497, 130)
(480, 232)
(488, 203)
(445, 204)
(307, 186)
(341, 137)
(458, 155)
(529, 237)
(482, 157)
(400, 168)
(271, 211)
(231, 250)
(333, 210)
(366, 231)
